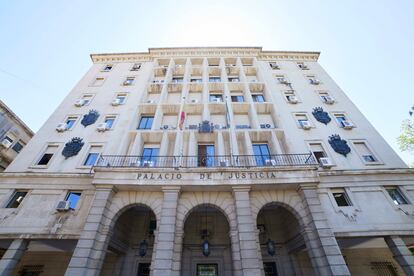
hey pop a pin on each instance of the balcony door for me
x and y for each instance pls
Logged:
(206, 155)
(149, 157)
(261, 154)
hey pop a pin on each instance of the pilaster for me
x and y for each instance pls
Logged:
(401, 253)
(12, 256)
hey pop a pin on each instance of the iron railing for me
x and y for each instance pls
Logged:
(276, 160)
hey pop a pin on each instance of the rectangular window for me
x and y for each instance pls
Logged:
(234, 79)
(149, 156)
(313, 80)
(18, 146)
(129, 81)
(258, 98)
(47, 155)
(303, 121)
(146, 122)
(216, 98)
(16, 199)
(237, 99)
(302, 66)
(121, 98)
(109, 121)
(340, 119)
(326, 98)
(177, 80)
(261, 154)
(73, 198)
(291, 96)
(92, 156)
(136, 67)
(274, 66)
(206, 155)
(7, 138)
(87, 98)
(396, 196)
(341, 197)
(107, 68)
(214, 79)
(196, 80)
(365, 152)
(70, 122)
(317, 151)
(282, 80)
(98, 81)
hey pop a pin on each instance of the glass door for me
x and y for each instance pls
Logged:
(206, 155)
(261, 154)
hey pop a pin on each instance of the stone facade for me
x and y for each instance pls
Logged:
(206, 147)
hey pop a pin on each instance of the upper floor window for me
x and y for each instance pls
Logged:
(109, 121)
(365, 153)
(261, 154)
(234, 79)
(70, 122)
(136, 67)
(216, 98)
(313, 80)
(16, 199)
(107, 68)
(343, 121)
(326, 98)
(120, 99)
(129, 81)
(196, 80)
(396, 196)
(317, 151)
(341, 197)
(98, 81)
(73, 198)
(149, 156)
(18, 146)
(259, 98)
(146, 122)
(92, 156)
(206, 155)
(302, 66)
(47, 155)
(214, 79)
(237, 98)
(177, 80)
(291, 96)
(303, 121)
(274, 66)
(7, 142)
(84, 100)
(282, 80)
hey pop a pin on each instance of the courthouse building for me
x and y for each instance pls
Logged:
(207, 161)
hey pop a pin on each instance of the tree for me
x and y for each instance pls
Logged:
(406, 138)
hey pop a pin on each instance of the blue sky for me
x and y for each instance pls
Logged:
(366, 46)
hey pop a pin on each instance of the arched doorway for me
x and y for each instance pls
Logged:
(131, 243)
(206, 224)
(281, 242)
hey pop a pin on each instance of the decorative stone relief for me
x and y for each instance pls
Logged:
(339, 145)
(90, 118)
(72, 147)
(321, 116)
(349, 213)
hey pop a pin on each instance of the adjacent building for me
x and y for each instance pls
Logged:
(14, 135)
(207, 161)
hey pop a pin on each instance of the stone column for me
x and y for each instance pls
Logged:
(178, 248)
(247, 233)
(235, 252)
(89, 254)
(12, 256)
(164, 249)
(324, 252)
(401, 253)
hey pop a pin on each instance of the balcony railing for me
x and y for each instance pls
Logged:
(277, 160)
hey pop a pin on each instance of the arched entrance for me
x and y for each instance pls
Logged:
(281, 242)
(131, 243)
(206, 243)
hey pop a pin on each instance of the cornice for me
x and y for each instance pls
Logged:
(154, 53)
(14, 117)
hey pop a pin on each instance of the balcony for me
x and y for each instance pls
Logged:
(232, 161)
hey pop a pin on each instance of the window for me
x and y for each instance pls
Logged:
(302, 66)
(7, 138)
(313, 80)
(47, 155)
(146, 122)
(340, 119)
(396, 195)
(341, 197)
(107, 68)
(237, 98)
(290, 96)
(274, 66)
(129, 81)
(16, 199)
(18, 146)
(70, 122)
(109, 121)
(149, 156)
(196, 80)
(234, 79)
(136, 67)
(98, 81)
(282, 80)
(121, 98)
(214, 79)
(326, 98)
(92, 156)
(259, 98)
(365, 152)
(177, 80)
(317, 151)
(87, 98)
(73, 198)
(261, 154)
(216, 98)
(206, 155)
(303, 121)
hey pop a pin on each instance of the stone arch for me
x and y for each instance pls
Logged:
(288, 199)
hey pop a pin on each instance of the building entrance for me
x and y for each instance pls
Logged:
(207, 270)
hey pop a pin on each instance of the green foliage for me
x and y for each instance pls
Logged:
(406, 138)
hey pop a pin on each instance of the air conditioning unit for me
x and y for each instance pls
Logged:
(325, 162)
(293, 99)
(80, 103)
(61, 127)
(102, 127)
(194, 101)
(347, 125)
(6, 143)
(270, 162)
(329, 100)
(265, 126)
(224, 163)
(315, 81)
(116, 102)
(216, 100)
(148, 163)
(149, 101)
(306, 125)
(63, 205)
(165, 127)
